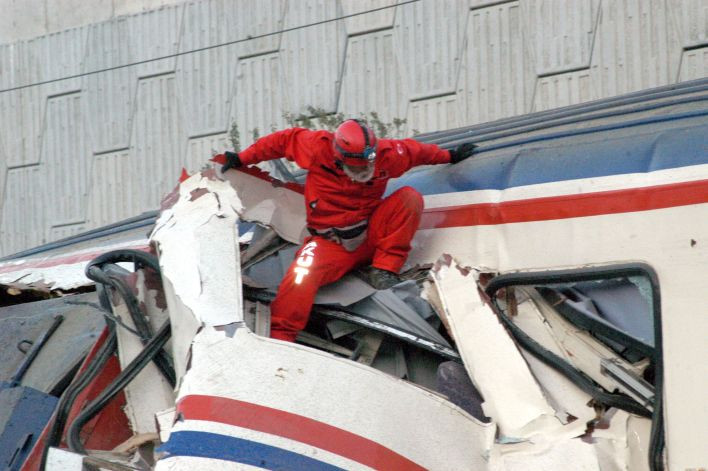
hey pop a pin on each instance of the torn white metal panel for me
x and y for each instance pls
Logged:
(270, 202)
(197, 240)
(184, 325)
(312, 405)
(63, 270)
(512, 397)
(624, 442)
(638, 437)
(149, 392)
(560, 455)
(65, 460)
(165, 420)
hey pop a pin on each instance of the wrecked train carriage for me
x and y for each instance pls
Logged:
(575, 232)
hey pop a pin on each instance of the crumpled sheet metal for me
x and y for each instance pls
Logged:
(270, 202)
(512, 396)
(59, 271)
(197, 242)
(516, 399)
(313, 405)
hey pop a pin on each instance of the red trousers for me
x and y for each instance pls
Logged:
(321, 261)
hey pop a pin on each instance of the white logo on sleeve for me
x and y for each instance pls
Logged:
(304, 261)
(399, 149)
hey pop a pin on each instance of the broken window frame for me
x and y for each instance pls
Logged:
(656, 444)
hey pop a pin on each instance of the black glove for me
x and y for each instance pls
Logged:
(232, 161)
(461, 152)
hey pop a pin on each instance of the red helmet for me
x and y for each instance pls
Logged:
(354, 143)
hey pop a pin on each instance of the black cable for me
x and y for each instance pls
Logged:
(205, 48)
(71, 393)
(137, 257)
(657, 438)
(121, 381)
(95, 272)
(585, 383)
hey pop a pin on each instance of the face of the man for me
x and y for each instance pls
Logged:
(359, 173)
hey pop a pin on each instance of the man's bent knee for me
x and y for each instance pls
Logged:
(409, 197)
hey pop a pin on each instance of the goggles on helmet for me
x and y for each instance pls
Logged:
(356, 159)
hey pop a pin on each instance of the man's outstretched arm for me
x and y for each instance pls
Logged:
(294, 144)
(411, 153)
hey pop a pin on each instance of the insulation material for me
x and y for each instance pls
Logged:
(270, 202)
(512, 397)
(313, 409)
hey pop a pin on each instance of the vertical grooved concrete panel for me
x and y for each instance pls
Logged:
(22, 222)
(566, 89)
(254, 19)
(260, 102)
(157, 141)
(430, 35)
(21, 135)
(635, 47)
(691, 17)
(61, 55)
(369, 21)
(206, 78)
(560, 33)
(115, 188)
(201, 149)
(8, 106)
(694, 64)
(109, 95)
(65, 160)
(373, 78)
(155, 34)
(312, 57)
(496, 79)
(433, 114)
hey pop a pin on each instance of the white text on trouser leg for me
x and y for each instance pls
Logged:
(303, 262)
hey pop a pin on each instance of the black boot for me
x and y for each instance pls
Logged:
(379, 278)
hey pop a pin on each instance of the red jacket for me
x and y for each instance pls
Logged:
(333, 199)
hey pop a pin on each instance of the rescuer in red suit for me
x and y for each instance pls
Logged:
(350, 224)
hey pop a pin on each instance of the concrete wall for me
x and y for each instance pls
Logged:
(26, 19)
(76, 154)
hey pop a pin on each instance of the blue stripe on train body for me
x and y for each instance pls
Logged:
(657, 145)
(239, 450)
